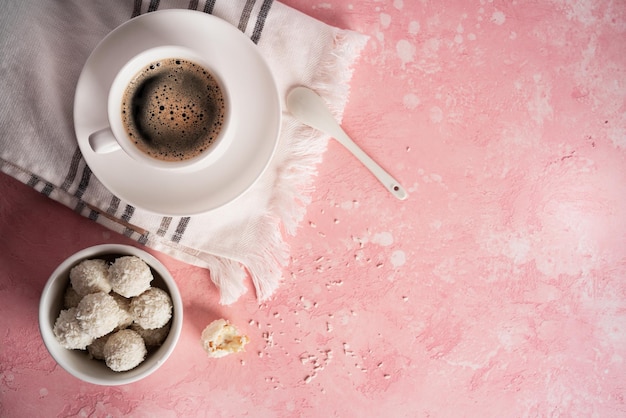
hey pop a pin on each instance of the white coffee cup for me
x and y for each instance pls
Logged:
(115, 137)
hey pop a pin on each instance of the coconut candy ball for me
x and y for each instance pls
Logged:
(96, 348)
(125, 316)
(90, 276)
(129, 276)
(98, 314)
(71, 298)
(152, 337)
(152, 309)
(124, 350)
(68, 331)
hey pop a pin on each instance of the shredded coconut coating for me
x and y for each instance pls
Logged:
(98, 314)
(152, 337)
(71, 298)
(152, 309)
(126, 318)
(96, 348)
(124, 350)
(130, 276)
(90, 276)
(68, 331)
(220, 339)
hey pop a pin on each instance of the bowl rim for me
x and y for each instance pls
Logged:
(54, 348)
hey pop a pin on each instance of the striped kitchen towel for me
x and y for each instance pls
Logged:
(44, 46)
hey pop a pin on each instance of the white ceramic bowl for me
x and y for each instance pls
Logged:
(77, 362)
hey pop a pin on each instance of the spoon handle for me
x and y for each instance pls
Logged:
(390, 183)
(309, 108)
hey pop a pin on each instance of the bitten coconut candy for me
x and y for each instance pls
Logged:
(113, 312)
(220, 338)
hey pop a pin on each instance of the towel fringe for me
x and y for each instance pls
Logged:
(294, 184)
(294, 180)
(229, 277)
(265, 263)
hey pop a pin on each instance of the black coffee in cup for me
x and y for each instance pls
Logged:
(173, 109)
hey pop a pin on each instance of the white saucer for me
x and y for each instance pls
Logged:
(255, 103)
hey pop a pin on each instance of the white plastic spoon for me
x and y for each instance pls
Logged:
(310, 109)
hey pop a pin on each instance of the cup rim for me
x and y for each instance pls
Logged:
(63, 357)
(116, 92)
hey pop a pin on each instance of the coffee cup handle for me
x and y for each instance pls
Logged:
(103, 141)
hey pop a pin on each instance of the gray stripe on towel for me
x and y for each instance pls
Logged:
(79, 207)
(260, 20)
(84, 182)
(165, 225)
(32, 182)
(128, 213)
(143, 238)
(245, 15)
(35, 180)
(208, 6)
(154, 4)
(136, 8)
(114, 205)
(73, 170)
(180, 229)
(47, 189)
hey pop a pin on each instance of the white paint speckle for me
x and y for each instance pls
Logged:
(539, 106)
(458, 39)
(436, 114)
(398, 258)
(323, 6)
(410, 101)
(436, 178)
(348, 205)
(406, 51)
(344, 319)
(383, 239)
(618, 137)
(581, 11)
(414, 27)
(385, 20)
(498, 17)
(471, 37)
(436, 224)
(432, 46)
(398, 4)
(517, 249)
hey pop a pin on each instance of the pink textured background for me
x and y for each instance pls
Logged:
(498, 289)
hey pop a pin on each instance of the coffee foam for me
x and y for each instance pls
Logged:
(173, 110)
